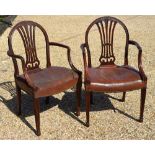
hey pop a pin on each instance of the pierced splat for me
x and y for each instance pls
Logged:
(106, 29)
(27, 33)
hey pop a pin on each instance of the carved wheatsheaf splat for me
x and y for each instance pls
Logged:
(106, 29)
(27, 33)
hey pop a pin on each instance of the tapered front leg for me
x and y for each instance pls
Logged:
(123, 97)
(91, 97)
(37, 115)
(142, 105)
(78, 95)
(88, 96)
(18, 100)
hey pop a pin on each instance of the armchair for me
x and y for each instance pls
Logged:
(36, 81)
(108, 76)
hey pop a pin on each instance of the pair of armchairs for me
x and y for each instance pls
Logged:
(107, 77)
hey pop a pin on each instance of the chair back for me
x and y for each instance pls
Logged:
(106, 27)
(27, 31)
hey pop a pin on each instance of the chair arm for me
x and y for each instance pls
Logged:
(83, 46)
(26, 75)
(131, 42)
(17, 57)
(142, 73)
(68, 56)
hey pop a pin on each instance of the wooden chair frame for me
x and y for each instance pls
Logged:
(26, 30)
(106, 26)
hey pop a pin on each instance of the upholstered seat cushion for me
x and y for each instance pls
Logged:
(113, 78)
(50, 80)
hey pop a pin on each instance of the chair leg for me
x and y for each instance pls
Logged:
(37, 115)
(88, 96)
(47, 100)
(18, 100)
(78, 95)
(143, 96)
(123, 97)
(91, 97)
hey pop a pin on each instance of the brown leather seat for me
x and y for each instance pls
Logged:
(113, 78)
(52, 80)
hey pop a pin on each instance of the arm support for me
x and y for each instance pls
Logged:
(17, 57)
(131, 42)
(83, 47)
(68, 56)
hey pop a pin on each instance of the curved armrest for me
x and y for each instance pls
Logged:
(18, 57)
(131, 42)
(68, 56)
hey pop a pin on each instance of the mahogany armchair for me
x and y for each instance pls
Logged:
(36, 81)
(109, 77)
